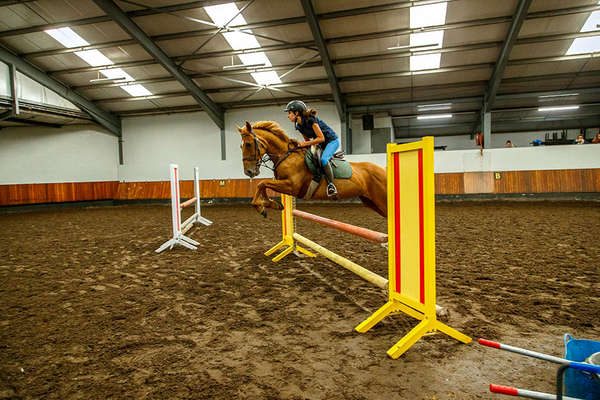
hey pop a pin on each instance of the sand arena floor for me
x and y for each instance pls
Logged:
(89, 311)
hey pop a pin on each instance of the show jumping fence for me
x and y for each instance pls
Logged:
(410, 241)
(179, 228)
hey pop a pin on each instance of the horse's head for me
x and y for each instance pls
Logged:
(252, 151)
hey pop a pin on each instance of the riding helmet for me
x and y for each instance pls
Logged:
(295, 106)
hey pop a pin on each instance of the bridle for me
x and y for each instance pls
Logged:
(262, 159)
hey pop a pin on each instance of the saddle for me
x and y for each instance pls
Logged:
(341, 168)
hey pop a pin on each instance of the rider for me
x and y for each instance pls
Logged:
(315, 131)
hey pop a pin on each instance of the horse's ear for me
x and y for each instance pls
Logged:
(239, 129)
(248, 127)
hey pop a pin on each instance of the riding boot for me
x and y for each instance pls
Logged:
(331, 189)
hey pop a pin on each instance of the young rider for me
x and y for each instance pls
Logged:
(318, 132)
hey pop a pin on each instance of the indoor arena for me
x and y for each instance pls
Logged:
(301, 199)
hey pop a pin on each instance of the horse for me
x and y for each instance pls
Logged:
(265, 140)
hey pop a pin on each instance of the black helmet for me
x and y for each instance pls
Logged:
(295, 106)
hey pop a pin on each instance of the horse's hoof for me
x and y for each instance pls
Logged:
(264, 213)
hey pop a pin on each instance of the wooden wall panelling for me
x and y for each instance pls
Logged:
(591, 180)
(450, 183)
(479, 182)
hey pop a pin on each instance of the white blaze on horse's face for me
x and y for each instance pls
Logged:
(250, 154)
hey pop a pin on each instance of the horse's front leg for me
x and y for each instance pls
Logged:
(262, 201)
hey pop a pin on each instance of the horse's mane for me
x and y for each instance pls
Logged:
(272, 127)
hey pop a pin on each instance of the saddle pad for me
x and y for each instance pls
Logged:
(341, 168)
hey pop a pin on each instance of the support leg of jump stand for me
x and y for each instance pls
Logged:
(203, 221)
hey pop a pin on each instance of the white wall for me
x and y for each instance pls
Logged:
(82, 153)
(192, 139)
(150, 143)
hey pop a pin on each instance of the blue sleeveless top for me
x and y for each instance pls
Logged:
(307, 130)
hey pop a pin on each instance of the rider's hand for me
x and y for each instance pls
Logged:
(295, 143)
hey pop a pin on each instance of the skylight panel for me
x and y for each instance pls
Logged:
(136, 90)
(425, 61)
(240, 41)
(222, 14)
(94, 58)
(588, 44)
(592, 21)
(428, 15)
(255, 58)
(434, 38)
(266, 78)
(584, 45)
(67, 37)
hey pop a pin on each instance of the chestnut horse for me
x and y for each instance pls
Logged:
(266, 141)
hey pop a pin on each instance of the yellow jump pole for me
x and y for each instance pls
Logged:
(364, 273)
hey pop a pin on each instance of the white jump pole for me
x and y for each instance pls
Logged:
(179, 229)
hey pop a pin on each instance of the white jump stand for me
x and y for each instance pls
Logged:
(179, 229)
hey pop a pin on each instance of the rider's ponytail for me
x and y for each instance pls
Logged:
(310, 113)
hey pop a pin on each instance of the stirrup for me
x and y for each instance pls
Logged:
(331, 190)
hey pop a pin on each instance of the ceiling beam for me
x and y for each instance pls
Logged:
(33, 122)
(165, 37)
(212, 109)
(109, 121)
(342, 39)
(5, 3)
(511, 38)
(223, 53)
(237, 104)
(313, 23)
(106, 18)
(463, 24)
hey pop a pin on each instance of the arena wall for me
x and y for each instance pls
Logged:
(45, 165)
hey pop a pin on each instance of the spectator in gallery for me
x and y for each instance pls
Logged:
(509, 144)
(580, 140)
(596, 139)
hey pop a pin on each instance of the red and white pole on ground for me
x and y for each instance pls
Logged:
(541, 356)
(530, 394)
(525, 352)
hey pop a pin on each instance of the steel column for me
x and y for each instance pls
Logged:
(12, 72)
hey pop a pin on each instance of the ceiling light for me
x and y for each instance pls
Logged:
(434, 116)
(242, 66)
(114, 80)
(560, 108)
(558, 95)
(440, 106)
(420, 46)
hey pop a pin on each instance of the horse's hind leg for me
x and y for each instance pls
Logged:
(369, 203)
